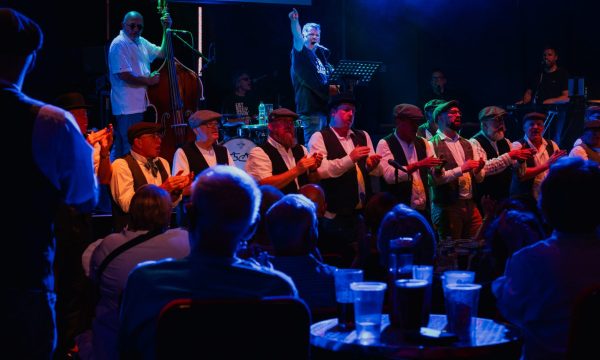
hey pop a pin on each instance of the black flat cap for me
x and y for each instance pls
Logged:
(282, 112)
(142, 128)
(343, 98)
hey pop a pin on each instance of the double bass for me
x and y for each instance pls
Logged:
(175, 97)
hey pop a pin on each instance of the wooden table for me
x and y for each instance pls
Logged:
(492, 340)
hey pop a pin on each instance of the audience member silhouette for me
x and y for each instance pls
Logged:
(150, 212)
(224, 212)
(542, 281)
(292, 228)
(57, 162)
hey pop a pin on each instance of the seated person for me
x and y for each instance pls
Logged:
(292, 228)
(542, 281)
(589, 147)
(150, 212)
(224, 211)
(241, 105)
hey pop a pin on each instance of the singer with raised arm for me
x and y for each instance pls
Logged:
(129, 59)
(309, 71)
(405, 159)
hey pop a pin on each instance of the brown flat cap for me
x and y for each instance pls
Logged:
(534, 116)
(491, 112)
(407, 112)
(443, 107)
(282, 112)
(70, 101)
(203, 116)
(142, 128)
(19, 34)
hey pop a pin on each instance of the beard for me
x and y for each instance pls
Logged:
(454, 126)
(497, 135)
(287, 140)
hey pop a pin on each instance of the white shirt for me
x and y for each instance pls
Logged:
(580, 151)
(418, 198)
(121, 182)
(539, 158)
(465, 186)
(180, 160)
(125, 55)
(496, 164)
(337, 167)
(259, 164)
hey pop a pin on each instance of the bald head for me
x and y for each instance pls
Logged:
(132, 15)
(224, 210)
(316, 194)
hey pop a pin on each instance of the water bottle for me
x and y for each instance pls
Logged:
(262, 113)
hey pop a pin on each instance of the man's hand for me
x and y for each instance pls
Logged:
(306, 163)
(293, 15)
(469, 165)
(480, 165)
(373, 161)
(359, 153)
(318, 160)
(153, 79)
(555, 156)
(521, 154)
(429, 162)
(166, 21)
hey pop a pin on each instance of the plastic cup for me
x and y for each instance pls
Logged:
(368, 305)
(344, 296)
(462, 301)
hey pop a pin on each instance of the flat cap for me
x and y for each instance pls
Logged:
(407, 112)
(203, 116)
(443, 107)
(431, 104)
(19, 35)
(534, 116)
(142, 128)
(592, 113)
(282, 112)
(592, 124)
(343, 98)
(491, 112)
(70, 101)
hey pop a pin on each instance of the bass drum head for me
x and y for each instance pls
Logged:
(239, 148)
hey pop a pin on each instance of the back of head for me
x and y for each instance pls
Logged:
(378, 205)
(513, 230)
(150, 208)
(315, 194)
(20, 35)
(270, 195)
(569, 193)
(402, 221)
(224, 209)
(292, 225)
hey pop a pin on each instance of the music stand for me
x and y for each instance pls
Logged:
(350, 73)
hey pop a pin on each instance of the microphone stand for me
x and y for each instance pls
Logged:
(198, 53)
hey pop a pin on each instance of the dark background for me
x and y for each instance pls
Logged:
(487, 49)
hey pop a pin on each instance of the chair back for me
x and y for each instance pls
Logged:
(584, 331)
(268, 328)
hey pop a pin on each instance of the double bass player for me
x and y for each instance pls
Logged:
(129, 59)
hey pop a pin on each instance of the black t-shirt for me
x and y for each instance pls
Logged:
(309, 77)
(551, 85)
(240, 105)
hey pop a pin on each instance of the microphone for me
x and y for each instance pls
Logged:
(322, 47)
(396, 165)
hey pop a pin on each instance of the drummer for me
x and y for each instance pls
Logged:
(281, 161)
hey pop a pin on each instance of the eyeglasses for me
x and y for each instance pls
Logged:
(210, 125)
(133, 26)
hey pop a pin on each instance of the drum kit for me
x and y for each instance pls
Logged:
(239, 138)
